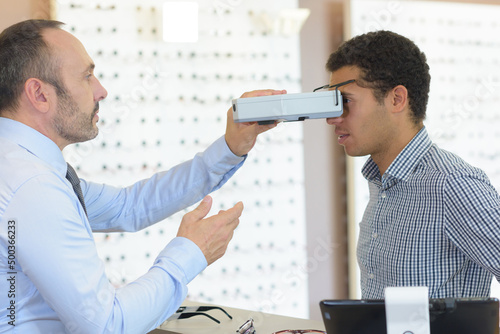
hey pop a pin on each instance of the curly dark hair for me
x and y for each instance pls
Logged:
(387, 60)
(23, 55)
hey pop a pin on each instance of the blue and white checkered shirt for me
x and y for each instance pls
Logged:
(432, 220)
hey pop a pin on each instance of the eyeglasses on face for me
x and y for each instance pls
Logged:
(336, 86)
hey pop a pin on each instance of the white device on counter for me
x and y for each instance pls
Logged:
(407, 310)
(288, 107)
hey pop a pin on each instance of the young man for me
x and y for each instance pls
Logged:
(432, 219)
(53, 280)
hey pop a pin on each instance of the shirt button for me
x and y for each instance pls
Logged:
(375, 235)
(384, 195)
(371, 276)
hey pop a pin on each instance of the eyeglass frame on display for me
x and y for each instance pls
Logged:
(185, 312)
(246, 328)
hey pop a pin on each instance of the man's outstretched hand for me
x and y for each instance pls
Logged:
(212, 234)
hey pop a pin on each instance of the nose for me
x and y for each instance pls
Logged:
(100, 92)
(334, 120)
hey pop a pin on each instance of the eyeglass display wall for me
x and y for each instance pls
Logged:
(462, 44)
(167, 101)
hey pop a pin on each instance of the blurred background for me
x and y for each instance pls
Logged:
(172, 68)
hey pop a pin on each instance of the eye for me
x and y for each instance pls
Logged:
(345, 100)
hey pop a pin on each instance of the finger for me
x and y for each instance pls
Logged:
(202, 209)
(232, 214)
(264, 128)
(263, 92)
(238, 208)
(230, 115)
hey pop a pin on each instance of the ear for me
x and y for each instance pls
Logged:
(398, 98)
(38, 94)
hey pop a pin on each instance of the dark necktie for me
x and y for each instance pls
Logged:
(75, 182)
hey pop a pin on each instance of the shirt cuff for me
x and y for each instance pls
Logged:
(219, 153)
(185, 256)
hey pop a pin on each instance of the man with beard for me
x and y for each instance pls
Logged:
(54, 281)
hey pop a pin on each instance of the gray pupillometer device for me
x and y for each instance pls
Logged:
(288, 107)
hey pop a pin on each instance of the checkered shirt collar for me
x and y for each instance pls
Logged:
(404, 164)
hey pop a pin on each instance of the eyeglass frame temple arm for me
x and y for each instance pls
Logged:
(201, 309)
(192, 314)
(336, 88)
(208, 308)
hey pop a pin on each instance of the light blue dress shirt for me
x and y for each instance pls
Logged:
(432, 220)
(52, 278)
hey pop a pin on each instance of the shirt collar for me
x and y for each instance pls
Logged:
(34, 142)
(405, 162)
